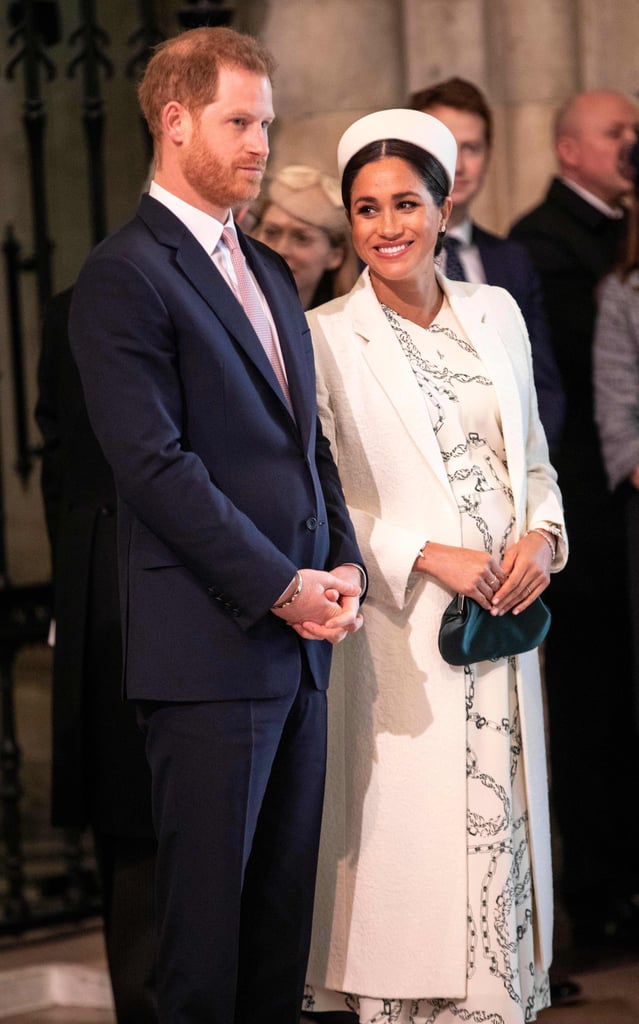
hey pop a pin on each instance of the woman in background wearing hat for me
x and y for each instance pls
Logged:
(434, 890)
(304, 221)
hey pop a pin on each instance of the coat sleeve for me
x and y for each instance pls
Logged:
(542, 493)
(616, 377)
(548, 382)
(47, 412)
(389, 548)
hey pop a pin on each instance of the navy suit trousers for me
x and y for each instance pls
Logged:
(237, 801)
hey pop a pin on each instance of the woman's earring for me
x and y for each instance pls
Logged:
(442, 229)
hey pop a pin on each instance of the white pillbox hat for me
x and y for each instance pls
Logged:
(423, 130)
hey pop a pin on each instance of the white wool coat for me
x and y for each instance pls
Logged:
(391, 902)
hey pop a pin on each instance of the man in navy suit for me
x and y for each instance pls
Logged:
(238, 562)
(483, 256)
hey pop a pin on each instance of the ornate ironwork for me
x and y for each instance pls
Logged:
(92, 60)
(143, 39)
(26, 899)
(24, 618)
(13, 266)
(195, 13)
(35, 26)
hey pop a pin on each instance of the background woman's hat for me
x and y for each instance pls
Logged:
(304, 192)
(414, 126)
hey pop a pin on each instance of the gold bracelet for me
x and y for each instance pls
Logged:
(296, 593)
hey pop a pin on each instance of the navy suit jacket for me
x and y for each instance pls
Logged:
(507, 264)
(222, 493)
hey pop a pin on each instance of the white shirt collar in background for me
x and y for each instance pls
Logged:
(614, 212)
(467, 252)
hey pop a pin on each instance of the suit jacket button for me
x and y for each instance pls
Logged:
(311, 523)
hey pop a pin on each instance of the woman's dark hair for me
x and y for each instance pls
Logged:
(426, 166)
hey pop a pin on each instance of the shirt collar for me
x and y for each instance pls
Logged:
(462, 231)
(614, 212)
(206, 229)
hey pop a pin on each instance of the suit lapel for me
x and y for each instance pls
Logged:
(198, 267)
(496, 271)
(299, 370)
(486, 254)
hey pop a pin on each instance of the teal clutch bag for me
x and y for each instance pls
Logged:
(469, 634)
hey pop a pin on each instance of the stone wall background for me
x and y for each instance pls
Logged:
(337, 59)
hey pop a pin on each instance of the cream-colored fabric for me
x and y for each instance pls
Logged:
(390, 916)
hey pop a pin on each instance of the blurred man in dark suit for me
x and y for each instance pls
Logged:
(574, 237)
(100, 777)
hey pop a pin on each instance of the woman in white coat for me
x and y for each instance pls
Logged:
(434, 894)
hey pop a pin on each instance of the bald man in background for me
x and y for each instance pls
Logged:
(574, 237)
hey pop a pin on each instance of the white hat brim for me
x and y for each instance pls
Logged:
(423, 130)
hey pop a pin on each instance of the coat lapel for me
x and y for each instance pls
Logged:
(394, 375)
(473, 308)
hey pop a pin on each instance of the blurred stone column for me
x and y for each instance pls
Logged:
(444, 39)
(338, 60)
(523, 56)
(536, 59)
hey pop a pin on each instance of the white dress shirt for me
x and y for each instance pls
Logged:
(467, 252)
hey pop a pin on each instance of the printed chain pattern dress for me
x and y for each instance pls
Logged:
(503, 985)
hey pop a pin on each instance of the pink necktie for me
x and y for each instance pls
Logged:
(253, 308)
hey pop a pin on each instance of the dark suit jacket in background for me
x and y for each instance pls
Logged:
(99, 773)
(572, 245)
(507, 264)
(588, 651)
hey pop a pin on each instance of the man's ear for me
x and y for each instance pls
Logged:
(176, 122)
(567, 148)
(336, 257)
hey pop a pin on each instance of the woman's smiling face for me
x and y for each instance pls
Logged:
(395, 221)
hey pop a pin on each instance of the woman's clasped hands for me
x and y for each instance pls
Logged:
(499, 587)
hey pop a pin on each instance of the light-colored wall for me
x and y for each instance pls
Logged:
(337, 60)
